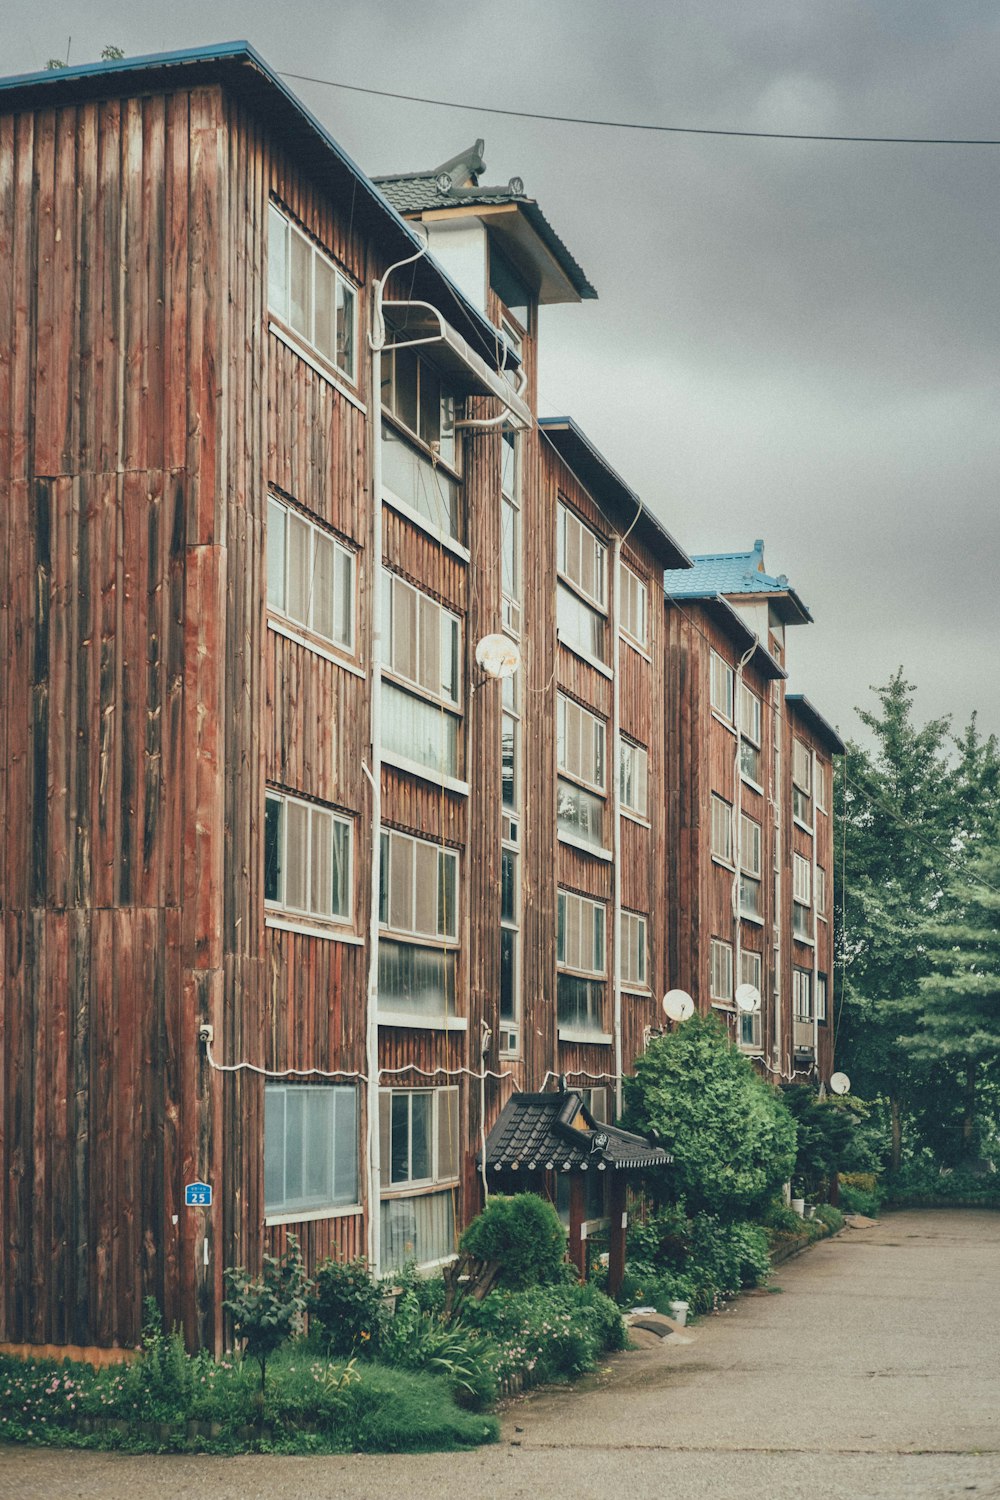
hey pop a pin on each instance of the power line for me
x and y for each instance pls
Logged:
(750, 135)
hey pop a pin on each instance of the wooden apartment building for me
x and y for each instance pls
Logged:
(294, 892)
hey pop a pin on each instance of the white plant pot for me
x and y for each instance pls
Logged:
(799, 1207)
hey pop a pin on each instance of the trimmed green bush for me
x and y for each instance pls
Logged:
(523, 1235)
(347, 1307)
(732, 1139)
(548, 1333)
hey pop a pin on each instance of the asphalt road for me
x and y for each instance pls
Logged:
(875, 1372)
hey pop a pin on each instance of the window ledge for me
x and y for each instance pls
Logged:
(592, 661)
(749, 916)
(401, 1192)
(309, 644)
(751, 1051)
(635, 646)
(754, 786)
(575, 1034)
(585, 848)
(316, 363)
(414, 768)
(726, 1005)
(806, 827)
(422, 1023)
(727, 725)
(723, 864)
(635, 817)
(807, 942)
(411, 514)
(282, 922)
(311, 1215)
(638, 991)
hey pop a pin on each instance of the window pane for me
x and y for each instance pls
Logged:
(421, 1160)
(508, 885)
(299, 569)
(325, 335)
(579, 813)
(419, 731)
(420, 1229)
(296, 856)
(401, 883)
(277, 262)
(430, 404)
(508, 751)
(425, 888)
(321, 864)
(274, 1147)
(275, 554)
(318, 1145)
(322, 589)
(273, 820)
(420, 981)
(341, 895)
(345, 1142)
(343, 597)
(346, 320)
(447, 1165)
(405, 388)
(508, 974)
(400, 1157)
(295, 1112)
(300, 284)
(447, 921)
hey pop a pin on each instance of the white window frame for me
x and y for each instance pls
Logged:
(300, 1210)
(597, 914)
(801, 880)
(633, 606)
(721, 687)
(399, 844)
(511, 590)
(633, 775)
(510, 1026)
(276, 508)
(750, 1032)
(819, 790)
(720, 971)
(449, 631)
(568, 711)
(279, 222)
(802, 998)
(573, 534)
(819, 902)
(721, 822)
(750, 727)
(633, 935)
(441, 1099)
(313, 812)
(820, 1003)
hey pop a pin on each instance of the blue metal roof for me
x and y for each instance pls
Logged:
(241, 68)
(731, 574)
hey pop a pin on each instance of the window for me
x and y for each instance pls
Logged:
(722, 830)
(632, 776)
(750, 756)
(580, 948)
(822, 787)
(821, 997)
(418, 1133)
(720, 970)
(510, 917)
(632, 605)
(581, 559)
(309, 295)
(721, 687)
(801, 782)
(413, 393)
(580, 753)
(820, 892)
(307, 858)
(751, 966)
(421, 645)
(310, 576)
(510, 530)
(510, 761)
(801, 896)
(310, 1148)
(802, 995)
(750, 867)
(632, 937)
(418, 898)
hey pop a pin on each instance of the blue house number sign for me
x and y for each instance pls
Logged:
(197, 1195)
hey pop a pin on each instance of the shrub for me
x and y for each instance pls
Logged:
(523, 1236)
(347, 1306)
(831, 1217)
(268, 1309)
(731, 1137)
(549, 1333)
(417, 1340)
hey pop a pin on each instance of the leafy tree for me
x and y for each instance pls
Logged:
(730, 1135)
(266, 1310)
(522, 1235)
(959, 1024)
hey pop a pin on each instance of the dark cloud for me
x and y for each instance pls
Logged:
(794, 340)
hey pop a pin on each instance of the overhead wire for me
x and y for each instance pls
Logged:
(650, 127)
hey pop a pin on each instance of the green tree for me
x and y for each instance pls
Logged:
(959, 1025)
(897, 807)
(267, 1309)
(731, 1137)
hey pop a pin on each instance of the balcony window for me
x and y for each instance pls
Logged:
(310, 296)
(307, 859)
(310, 576)
(418, 898)
(311, 1148)
(632, 605)
(580, 962)
(634, 963)
(721, 687)
(721, 970)
(633, 777)
(419, 1136)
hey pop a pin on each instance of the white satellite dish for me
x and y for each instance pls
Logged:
(498, 656)
(840, 1083)
(747, 997)
(678, 1005)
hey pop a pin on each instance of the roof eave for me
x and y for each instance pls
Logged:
(799, 705)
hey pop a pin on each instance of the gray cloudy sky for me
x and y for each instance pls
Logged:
(794, 340)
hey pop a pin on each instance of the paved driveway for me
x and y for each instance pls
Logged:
(875, 1372)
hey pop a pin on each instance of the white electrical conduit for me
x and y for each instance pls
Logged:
(737, 818)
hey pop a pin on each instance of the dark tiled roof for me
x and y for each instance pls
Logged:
(414, 192)
(536, 1132)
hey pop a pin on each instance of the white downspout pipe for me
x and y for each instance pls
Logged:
(738, 820)
(614, 772)
(374, 772)
(815, 921)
